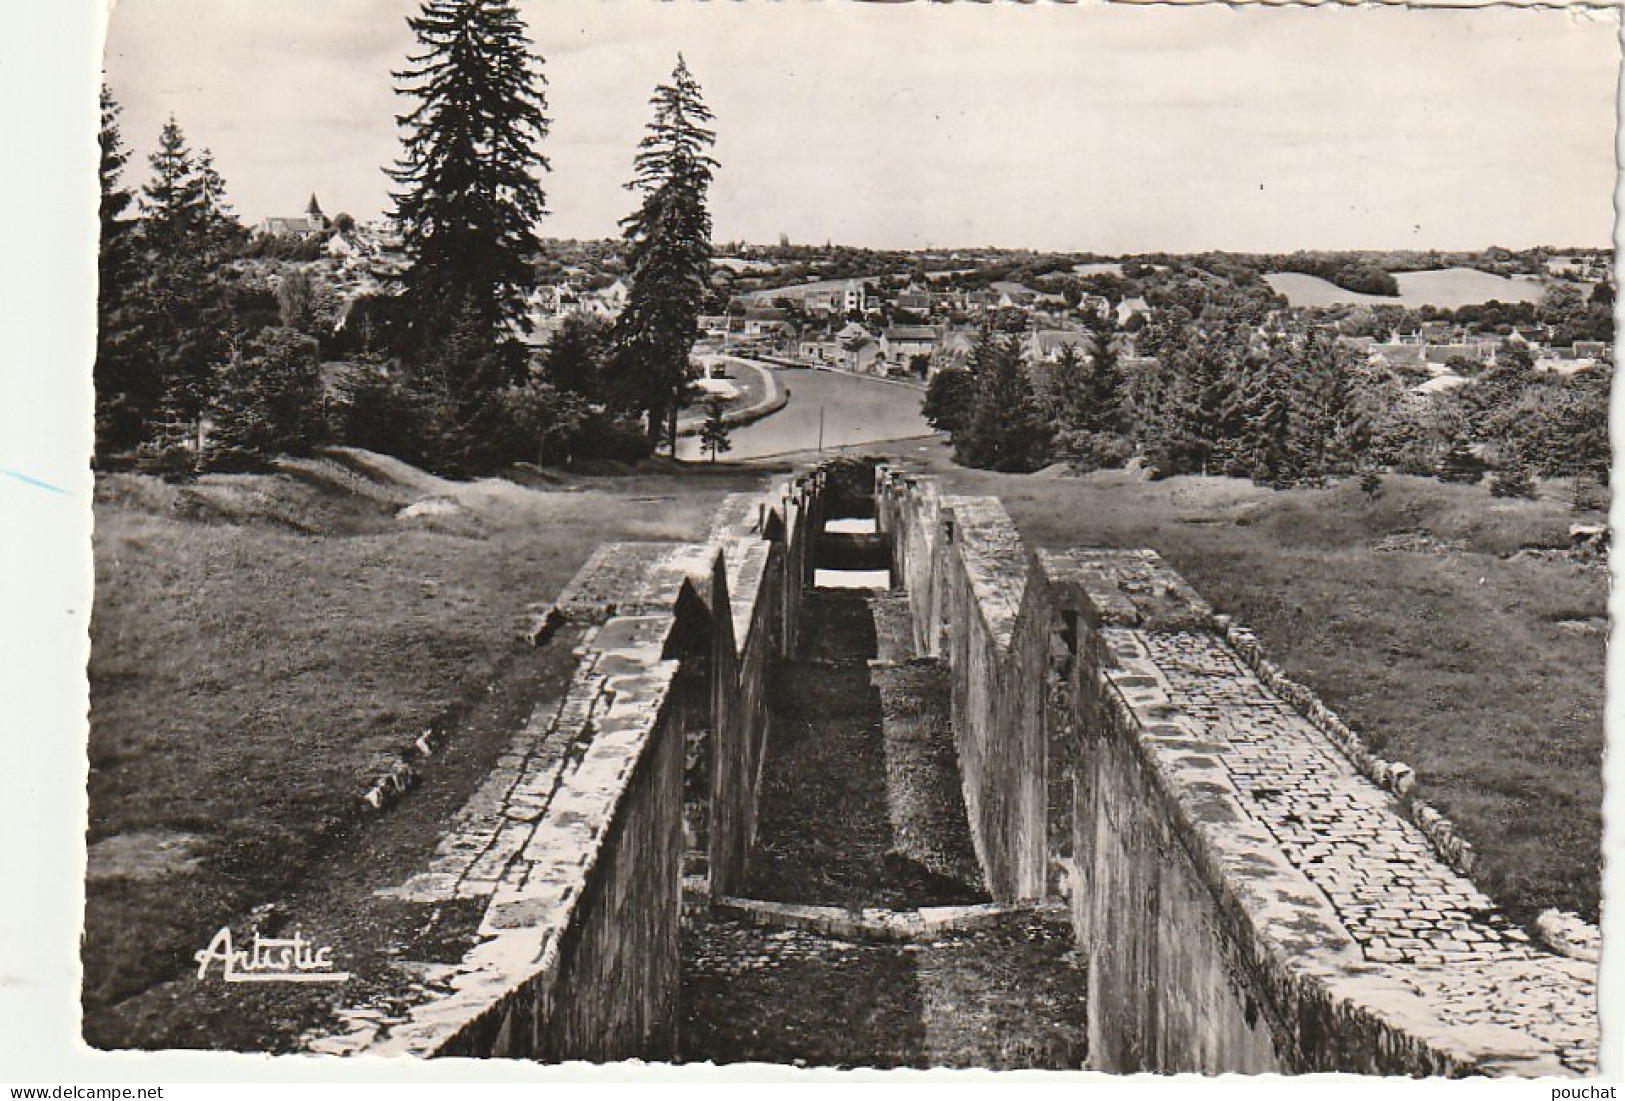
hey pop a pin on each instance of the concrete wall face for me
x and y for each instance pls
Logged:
(1166, 989)
(1252, 890)
(965, 571)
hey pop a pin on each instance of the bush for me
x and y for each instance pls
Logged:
(620, 439)
(1512, 480)
(379, 411)
(269, 402)
(1588, 495)
(1086, 451)
(166, 457)
(1460, 465)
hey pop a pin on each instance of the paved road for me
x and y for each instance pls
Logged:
(856, 410)
(756, 384)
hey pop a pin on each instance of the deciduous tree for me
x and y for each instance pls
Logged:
(714, 432)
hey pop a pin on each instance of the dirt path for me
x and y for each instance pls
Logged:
(855, 753)
(825, 833)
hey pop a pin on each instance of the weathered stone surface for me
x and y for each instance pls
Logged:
(869, 923)
(1253, 888)
(576, 837)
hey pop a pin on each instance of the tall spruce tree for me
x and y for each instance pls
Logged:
(1270, 443)
(1197, 424)
(174, 205)
(668, 256)
(181, 329)
(471, 196)
(115, 197)
(1324, 413)
(118, 416)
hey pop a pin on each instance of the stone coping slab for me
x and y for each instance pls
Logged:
(1336, 888)
(994, 558)
(870, 923)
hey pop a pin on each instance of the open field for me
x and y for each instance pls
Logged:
(263, 645)
(1448, 289)
(1481, 667)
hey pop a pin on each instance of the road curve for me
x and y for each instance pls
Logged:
(855, 409)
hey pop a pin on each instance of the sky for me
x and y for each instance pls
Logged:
(1069, 127)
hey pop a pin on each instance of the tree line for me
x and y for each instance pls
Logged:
(196, 370)
(1219, 392)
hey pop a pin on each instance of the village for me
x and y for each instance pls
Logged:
(916, 315)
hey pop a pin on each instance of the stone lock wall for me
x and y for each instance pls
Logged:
(611, 993)
(965, 571)
(1246, 887)
(1250, 894)
(581, 863)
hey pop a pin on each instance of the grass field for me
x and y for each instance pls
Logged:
(1481, 668)
(262, 644)
(1447, 288)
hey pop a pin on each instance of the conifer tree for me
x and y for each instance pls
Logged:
(950, 399)
(1066, 390)
(471, 197)
(1513, 480)
(115, 197)
(1105, 385)
(180, 330)
(1271, 432)
(1323, 408)
(173, 202)
(1007, 430)
(220, 228)
(1198, 424)
(668, 255)
(118, 408)
(269, 400)
(573, 356)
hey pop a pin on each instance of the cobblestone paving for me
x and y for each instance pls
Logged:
(489, 834)
(1401, 904)
(1008, 997)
